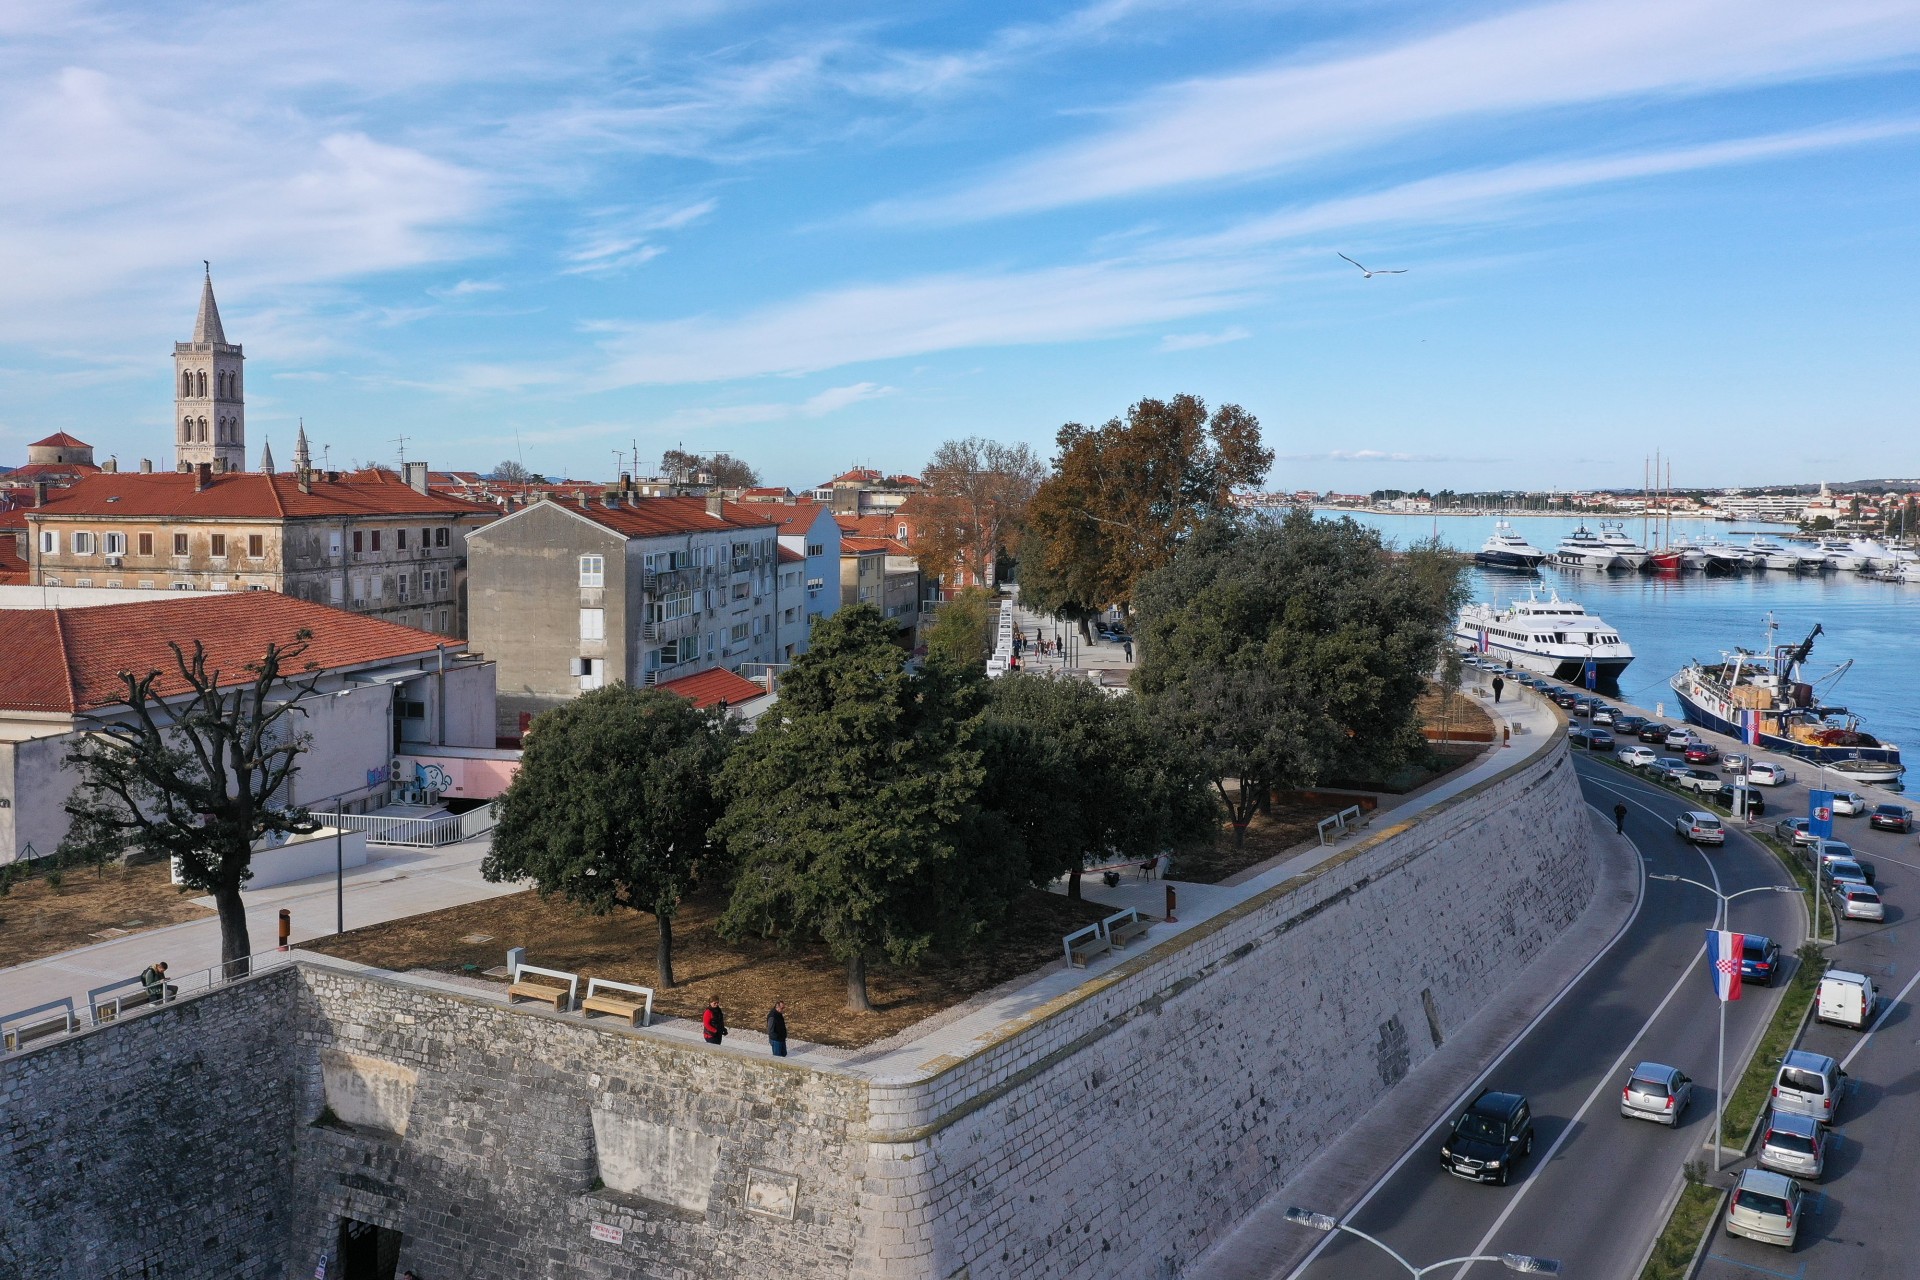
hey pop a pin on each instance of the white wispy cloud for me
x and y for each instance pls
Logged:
(1542, 57)
(1195, 341)
(834, 399)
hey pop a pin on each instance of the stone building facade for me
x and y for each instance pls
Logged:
(365, 541)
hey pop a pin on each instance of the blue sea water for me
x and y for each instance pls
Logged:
(1671, 620)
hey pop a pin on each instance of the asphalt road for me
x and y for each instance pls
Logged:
(1593, 1191)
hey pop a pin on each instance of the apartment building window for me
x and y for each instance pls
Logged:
(218, 584)
(49, 543)
(82, 542)
(146, 584)
(737, 633)
(376, 539)
(146, 544)
(671, 607)
(358, 538)
(379, 585)
(183, 586)
(256, 546)
(443, 620)
(217, 546)
(440, 537)
(426, 539)
(333, 544)
(740, 590)
(401, 581)
(400, 539)
(816, 585)
(443, 582)
(336, 588)
(816, 548)
(83, 582)
(593, 571)
(593, 624)
(116, 544)
(179, 544)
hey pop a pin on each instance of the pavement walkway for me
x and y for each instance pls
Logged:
(393, 883)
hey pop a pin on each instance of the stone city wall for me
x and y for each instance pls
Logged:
(1115, 1132)
(154, 1147)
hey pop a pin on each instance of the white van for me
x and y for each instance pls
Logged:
(1846, 998)
(1808, 1085)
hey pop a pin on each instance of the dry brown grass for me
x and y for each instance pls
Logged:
(746, 977)
(37, 919)
(1463, 719)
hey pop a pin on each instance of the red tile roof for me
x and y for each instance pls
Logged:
(69, 659)
(13, 570)
(792, 517)
(708, 688)
(61, 440)
(653, 517)
(870, 545)
(764, 494)
(34, 470)
(251, 495)
(870, 526)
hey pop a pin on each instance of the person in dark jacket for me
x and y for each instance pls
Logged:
(154, 979)
(1498, 685)
(1620, 819)
(713, 1023)
(777, 1028)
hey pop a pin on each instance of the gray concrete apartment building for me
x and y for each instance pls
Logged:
(567, 596)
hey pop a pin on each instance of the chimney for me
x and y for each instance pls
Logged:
(146, 466)
(303, 476)
(417, 476)
(39, 493)
(333, 477)
(202, 476)
(716, 506)
(113, 465)
(626, 484)
(584, 500)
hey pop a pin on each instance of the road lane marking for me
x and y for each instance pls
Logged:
(1519, 1037)
(1765, 1271)
(1879, 1022)
(1609, 1080)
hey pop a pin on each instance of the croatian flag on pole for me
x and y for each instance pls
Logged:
(1750, 728)
(1483, 639)
(1723, 960)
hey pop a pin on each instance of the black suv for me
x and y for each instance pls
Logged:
(1491, 1135)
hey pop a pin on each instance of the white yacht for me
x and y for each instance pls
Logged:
(1775, 554)
(1614, 537)
(1505, 549)
(1581, 549)
(1551, 637)
(1842, 555)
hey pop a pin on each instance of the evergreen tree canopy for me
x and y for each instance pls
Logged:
(612, 804)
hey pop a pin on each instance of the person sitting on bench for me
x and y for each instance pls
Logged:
(154, 979)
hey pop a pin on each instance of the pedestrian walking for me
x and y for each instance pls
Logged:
(1620, 819)
(777, 1028)
(154, 979)
(1127, 645)
(1498, 685)
(713, 1023)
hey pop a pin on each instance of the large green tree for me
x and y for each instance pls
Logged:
(1289, 654)
(1123, 498)
(961, 635)
(612, 805)
(852, 814)
(1073, 771)
(187, 764)
(970, 513)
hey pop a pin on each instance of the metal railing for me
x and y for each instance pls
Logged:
(58, 1019)
(417, 833)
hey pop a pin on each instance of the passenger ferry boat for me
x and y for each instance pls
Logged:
(1551, 637)
(1505, 549)
(1762, 699)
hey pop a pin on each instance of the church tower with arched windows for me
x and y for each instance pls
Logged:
(209, 410)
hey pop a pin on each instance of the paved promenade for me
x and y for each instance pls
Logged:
(396, 883)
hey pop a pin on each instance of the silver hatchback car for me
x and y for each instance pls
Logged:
(1795, 1145)
(1765, 1207)
(1656, 1092)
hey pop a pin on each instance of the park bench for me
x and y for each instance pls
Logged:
(561, 998)
(104, 1004)
(56, 1017)
(638, 1013)
(1123, 927)
(1083, 945)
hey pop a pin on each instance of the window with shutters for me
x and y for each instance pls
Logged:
(376, 539)
(256, 546)
(400, 539)
(146, 544)
(49, 542)
(440, 537)
(359, 541)
(82, 542)
(593, 624)
(217, 546)
(180, 544)
(116, 544)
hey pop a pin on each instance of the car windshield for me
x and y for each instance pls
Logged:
(1790, 1142)
(1478, 1127)
(1760, 1202)
(1652, 1088)
(1803, 1081)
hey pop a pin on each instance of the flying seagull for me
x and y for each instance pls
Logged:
(1397, 271)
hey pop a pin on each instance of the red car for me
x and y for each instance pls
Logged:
(1702, 753)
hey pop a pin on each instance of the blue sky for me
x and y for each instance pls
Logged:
(831, 234)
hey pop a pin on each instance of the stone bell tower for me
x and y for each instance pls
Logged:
(209, 408)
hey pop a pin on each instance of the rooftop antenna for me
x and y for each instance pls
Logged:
(401, 440)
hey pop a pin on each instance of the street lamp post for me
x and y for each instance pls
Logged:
(1720, 922)
(1524, 1263)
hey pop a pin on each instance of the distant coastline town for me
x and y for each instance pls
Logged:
(1889, 507)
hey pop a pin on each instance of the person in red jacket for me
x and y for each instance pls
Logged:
(713, 1023)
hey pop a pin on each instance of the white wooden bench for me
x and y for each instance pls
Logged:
(104, 1004)
(1123, 927)
(638, 1013)
(56, 1017)
(1082, 945)
(561, 998)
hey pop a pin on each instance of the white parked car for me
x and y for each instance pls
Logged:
(1679, 739)
(1764, 774)
(1636, 757)
(1850, 803)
